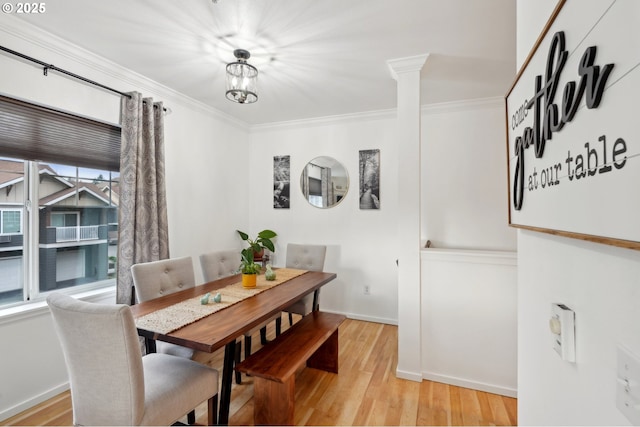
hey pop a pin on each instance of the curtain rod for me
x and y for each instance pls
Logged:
(47, 67)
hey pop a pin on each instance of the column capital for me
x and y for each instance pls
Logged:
(406, 65)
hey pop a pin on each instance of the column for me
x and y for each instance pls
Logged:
(406, 72)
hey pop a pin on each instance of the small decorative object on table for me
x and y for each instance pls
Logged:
(217, 297)
(270, 274)
(204, 299)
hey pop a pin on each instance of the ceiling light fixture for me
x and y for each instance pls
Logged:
(242, 79)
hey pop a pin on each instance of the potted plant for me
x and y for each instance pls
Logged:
(248, 267)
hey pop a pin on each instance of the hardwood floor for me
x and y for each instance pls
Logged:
(366, 392)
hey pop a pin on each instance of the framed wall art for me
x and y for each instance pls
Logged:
(281, 181)
(572, 135)
(369, 165)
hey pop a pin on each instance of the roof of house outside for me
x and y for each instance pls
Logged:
(12, 172)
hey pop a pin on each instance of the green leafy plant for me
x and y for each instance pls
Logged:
(260, 243)
(247, 265)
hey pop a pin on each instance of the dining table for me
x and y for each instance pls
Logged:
(221, 328)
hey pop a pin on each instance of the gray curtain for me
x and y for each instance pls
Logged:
(142, 225)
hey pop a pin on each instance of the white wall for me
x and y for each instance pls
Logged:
(599, 282)
(361, 243)
(464, 191)
(469, 308)
(202, 185)
(469, 275)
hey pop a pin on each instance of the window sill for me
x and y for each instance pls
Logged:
(37, 308)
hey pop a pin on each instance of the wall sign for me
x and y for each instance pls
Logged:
(572, 135)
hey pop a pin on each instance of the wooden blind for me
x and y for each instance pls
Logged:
(35, 132)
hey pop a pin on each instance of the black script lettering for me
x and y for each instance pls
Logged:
(595, 81)
(518, 179)
(548, 118)
(620, 147)
(571, 100)
(548, 91)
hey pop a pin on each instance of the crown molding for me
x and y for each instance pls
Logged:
(444, 107)
(462, 105)
(327, 120)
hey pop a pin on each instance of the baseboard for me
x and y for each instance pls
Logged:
(27, 404)
(460, 382)
(364, 318)
(411, 376)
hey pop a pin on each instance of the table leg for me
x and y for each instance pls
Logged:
(316, 297)
(227, 378)
(150, 345)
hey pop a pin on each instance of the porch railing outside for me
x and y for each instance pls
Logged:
(76, 234)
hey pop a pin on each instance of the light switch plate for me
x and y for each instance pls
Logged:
(562, 325)
(628, 385)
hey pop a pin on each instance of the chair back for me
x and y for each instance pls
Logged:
(104, 361)
(157, 278)
(306, 257)
(216, 265)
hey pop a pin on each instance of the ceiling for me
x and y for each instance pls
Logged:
(316, 58)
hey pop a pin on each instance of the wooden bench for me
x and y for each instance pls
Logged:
(314, 340)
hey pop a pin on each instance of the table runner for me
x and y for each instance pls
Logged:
(176, 316)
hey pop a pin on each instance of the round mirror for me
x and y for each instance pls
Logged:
(324, 182)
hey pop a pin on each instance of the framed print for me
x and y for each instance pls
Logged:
(369, 165)
(281, 181)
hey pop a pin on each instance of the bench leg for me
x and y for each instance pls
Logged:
(326, 356)
(273, 401)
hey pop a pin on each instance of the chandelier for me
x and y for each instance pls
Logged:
(242, 79)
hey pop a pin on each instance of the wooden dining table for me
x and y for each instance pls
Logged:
(222, 328)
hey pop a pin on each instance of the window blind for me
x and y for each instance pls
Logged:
(35, 132)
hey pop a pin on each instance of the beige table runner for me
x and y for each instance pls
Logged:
(176, 316)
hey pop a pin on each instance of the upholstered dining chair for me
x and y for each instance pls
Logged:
(111, 382)
(158, 278)
(219, 264)
(304, 257)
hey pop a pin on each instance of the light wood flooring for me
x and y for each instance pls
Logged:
(365, 392)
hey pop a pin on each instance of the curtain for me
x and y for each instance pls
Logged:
(142, 223)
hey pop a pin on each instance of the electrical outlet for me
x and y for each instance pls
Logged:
(366, 290)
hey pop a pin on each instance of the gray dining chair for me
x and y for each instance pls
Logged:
(304, 257)
(111, 382)
(158, 278)
(219, 264)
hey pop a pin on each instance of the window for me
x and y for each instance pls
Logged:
(11, 221)
(58, 215)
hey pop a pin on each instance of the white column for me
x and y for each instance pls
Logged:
(406, 72)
